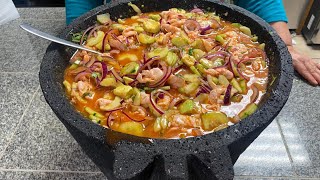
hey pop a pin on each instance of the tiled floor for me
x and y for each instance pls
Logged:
(35, 145)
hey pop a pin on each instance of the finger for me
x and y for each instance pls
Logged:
(313, 70)
(318, 65)
(300, 67)
(317, 75)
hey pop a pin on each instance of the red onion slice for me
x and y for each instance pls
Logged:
(227, 95)
(84, 33)
(104, 71)
(116, 43)
(165, 77)
(109, 120)
(205, 85)
(204, 29)
(94, 30)
(153, 103)
(81, 75)
(115, 109)
(255, 94)
(241, 73)
(132, 118)
(116, 75)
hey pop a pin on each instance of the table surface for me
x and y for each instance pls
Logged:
(35, 145)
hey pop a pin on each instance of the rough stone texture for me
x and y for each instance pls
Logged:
(22, 175)
(206, 156)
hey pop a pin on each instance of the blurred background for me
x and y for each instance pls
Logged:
(39, 3)
(301, 13)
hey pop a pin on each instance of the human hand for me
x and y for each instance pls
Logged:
(305, 66)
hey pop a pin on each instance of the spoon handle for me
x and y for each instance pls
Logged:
(54, 39)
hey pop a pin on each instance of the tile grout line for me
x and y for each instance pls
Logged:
(52, 171)
(286, 147)
(282, 177)
(20, 120)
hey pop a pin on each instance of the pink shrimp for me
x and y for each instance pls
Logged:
(169, 28)
(127, 32)
(164, 102)
(83, 87)
(150, 76)
(176, 82)
(220, 71)
(145, 99)
(178, 120)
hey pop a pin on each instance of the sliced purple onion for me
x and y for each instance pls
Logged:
(154, 105)
(227, 95)
(175, 101)
(82, 74)
(94, 30)
(161, 95)
(255, 94)
(132, 118)
(84, 33)
(165, 77)
(116, 75)
(204, 29)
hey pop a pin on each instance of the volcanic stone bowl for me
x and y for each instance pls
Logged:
(211, 156)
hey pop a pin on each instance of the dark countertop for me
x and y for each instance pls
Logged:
(35, 145)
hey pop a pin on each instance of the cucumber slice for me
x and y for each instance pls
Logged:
(212, 120)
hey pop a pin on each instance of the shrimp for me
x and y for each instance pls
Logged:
(238, 50)
(176, 82)
(166, 38)
(150, 76)
(83, 87)
(233, 37)
(164, 102)
(169, 28)
(215, 93)
(177, 23)
(103, 102)
(86, 58)
(127, 32)
(178, 120)
(220, 71)
(81, 90)
(145, 99)
(208, 44)
(193, 34)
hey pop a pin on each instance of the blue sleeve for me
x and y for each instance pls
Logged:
(269, 10)
(75, 8)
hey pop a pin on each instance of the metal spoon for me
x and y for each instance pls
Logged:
(55, 39)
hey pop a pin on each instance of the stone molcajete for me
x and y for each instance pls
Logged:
(123, 156)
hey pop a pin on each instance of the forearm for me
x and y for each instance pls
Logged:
(283, 31)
